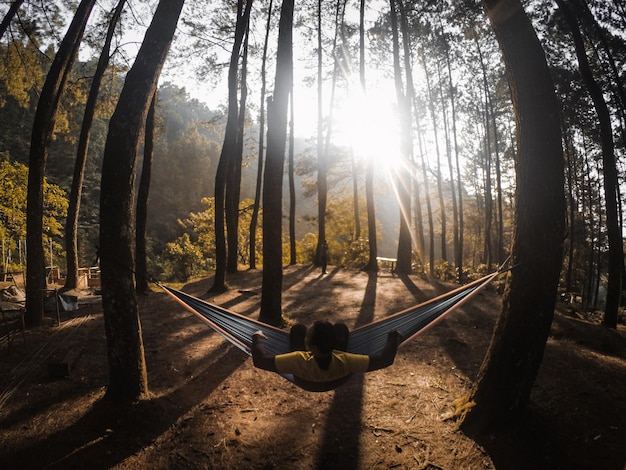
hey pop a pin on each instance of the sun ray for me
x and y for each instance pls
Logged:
(368, 122)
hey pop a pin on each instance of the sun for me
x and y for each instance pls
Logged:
(369, 122)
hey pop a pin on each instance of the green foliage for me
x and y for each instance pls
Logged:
(185, 161)
(13, 188)
(186, 258)
(305, 250)
(194, 252)
(356, 254)
(445, 271)
(20, 73)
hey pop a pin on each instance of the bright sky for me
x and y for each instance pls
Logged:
(368, 123)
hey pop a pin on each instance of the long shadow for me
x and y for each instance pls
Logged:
(565, 427)
(296, 275)
(467, 353)
(108, 433)
(415, 291)
(340, 443)
(322, 278)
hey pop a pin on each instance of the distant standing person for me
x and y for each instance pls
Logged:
(324, 256)
(97, 260)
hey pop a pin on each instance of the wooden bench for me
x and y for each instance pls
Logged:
(386, 263)
(12, 324)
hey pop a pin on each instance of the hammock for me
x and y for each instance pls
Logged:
(368, 339)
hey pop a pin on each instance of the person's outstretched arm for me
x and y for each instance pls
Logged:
(260, 358)
(387, 355)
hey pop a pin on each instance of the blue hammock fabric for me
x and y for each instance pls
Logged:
(236, 328)
(372, 337)
(368, 339)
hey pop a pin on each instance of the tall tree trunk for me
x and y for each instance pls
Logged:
(43, 128)
(353, 161)
(588, 299)
(429, 209)
(355, 197)
(488, 253)
(6, 21)
(499, 252)
(259, 176)
(599, 259)
(571, 204)
(372, 265)
(610, 180)
(442, 207)
(272, 284)
(228, 154)
(410, 101)
(292, 182)
(322, 162)
(488, 247)
(127, 369)
(233, 179)
(73, 210)
(404, 256)
(455, 212)
(591, 24)
(323, 251)
(510, 368)
(458, 207)
(141, 270)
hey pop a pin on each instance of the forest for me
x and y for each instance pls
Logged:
(171, 141)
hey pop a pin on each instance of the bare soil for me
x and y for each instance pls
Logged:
(209, 408)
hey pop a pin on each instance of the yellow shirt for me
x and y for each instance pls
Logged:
(302, 364)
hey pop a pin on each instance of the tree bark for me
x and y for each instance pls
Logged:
(127, 369)
(141, 270)
(442, 207)
(6, 21)
(271, 295)
(457, 205)
(446, 132)
(259, 177)
(404, 254)
(509, 370)
(372, 265)
(73, 210)
(43, 128)
(233, 183)
(322, 160)
(292, 181)
(228, 154)
(610, 180)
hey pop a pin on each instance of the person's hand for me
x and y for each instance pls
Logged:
(395, 335)
(259, 335)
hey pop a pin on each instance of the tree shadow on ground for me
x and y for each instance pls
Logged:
(108, 433)
(565, 428)
(415, 291)
(340, 443)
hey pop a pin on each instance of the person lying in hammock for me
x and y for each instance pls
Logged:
(318, 360)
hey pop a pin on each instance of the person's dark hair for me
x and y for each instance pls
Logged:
(322, 336)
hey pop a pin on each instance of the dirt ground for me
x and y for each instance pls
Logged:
(211, 409)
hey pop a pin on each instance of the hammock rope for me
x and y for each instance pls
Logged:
(368, 339)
